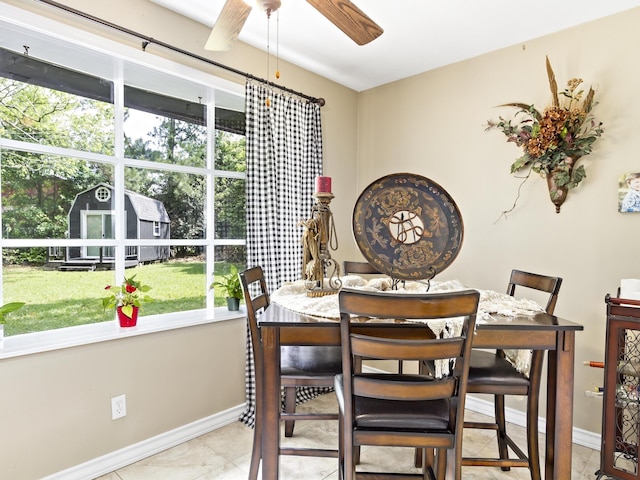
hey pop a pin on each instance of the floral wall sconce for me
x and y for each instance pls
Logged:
(553, 141)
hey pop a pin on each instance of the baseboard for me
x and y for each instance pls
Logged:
(517, 417)
(136, 452)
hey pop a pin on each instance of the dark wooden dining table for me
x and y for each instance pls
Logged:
(541, 331)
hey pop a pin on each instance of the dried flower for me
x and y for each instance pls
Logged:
(553, 141)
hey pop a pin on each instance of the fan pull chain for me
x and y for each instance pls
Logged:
(268, 100)
(278, 44)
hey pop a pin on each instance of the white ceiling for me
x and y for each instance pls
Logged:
(419, 35)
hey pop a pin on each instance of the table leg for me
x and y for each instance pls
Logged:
(271, 402)
(559, 428)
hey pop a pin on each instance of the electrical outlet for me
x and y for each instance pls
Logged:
(118, 407)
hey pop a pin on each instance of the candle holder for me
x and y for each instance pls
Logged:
(320, 272)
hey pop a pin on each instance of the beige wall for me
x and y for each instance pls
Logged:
(55, 407)
(433, 124)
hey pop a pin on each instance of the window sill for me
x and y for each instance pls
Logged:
(30, 343)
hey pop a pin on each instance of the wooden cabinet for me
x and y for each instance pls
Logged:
(621, 412)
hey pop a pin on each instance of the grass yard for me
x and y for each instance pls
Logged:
(56, 299)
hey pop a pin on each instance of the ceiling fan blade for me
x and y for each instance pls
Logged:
(227, 28)
(349, 18)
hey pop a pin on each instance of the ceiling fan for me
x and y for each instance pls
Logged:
(342, 13)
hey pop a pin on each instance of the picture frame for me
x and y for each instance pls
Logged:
(629, 192)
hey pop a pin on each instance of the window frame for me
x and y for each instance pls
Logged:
(49, 35)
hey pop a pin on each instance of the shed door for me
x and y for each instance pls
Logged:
(99, 225)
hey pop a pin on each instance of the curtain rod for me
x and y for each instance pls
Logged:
(148, 40)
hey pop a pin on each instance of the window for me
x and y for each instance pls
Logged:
(103, 194)
(107, 174)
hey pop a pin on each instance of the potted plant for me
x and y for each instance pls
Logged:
(127, 300)
(6, 309)
(231, 288)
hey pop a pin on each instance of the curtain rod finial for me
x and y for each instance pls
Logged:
(320, 101)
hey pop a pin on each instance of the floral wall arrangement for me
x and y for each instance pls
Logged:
(555, 140)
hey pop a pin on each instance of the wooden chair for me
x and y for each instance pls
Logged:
(407, 410)
(492, 373)
(304, 366)
(359, 268)
(364, 268)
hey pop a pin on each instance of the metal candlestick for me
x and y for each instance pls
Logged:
(320, 272)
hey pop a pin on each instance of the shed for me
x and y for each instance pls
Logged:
(92, 216)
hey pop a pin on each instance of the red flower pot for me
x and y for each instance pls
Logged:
(126, 321)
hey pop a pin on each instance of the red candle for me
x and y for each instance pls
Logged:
(323, 184)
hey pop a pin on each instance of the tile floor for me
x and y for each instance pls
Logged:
(225, 454)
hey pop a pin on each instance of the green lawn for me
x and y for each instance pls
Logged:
(56, 299)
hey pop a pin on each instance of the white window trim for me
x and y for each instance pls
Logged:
(49, 340)
(37, 342)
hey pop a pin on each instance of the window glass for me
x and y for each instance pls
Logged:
(164, 129)
(73, 213)
(53, 298)
(177, 284)
(230, 207)
(39, 191)
(57, 298)
(175, 199)
(38, 114)
(227, 257)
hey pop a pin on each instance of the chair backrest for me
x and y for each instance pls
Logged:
(543, 283)
(387, 343)
(360, 268)
(256, 298)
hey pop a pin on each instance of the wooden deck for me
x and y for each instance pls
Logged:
(91, 264)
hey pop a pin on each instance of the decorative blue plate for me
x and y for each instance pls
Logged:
(407, 226)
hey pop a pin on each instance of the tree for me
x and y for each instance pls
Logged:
(38, 189)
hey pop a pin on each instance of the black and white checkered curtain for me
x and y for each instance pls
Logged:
(284, 155)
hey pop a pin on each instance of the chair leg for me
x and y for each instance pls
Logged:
(289, 407)
(442, 465)
(420, 454)
(427, 474)
(417, 457)
(533, 447)
(256, 452)
(340, 448)
(349, 470)
(502, 429)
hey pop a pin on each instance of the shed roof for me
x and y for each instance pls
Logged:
(148, 208)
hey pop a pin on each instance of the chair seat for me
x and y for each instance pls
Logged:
(487, 368)
(396, 415)
(311, 361)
